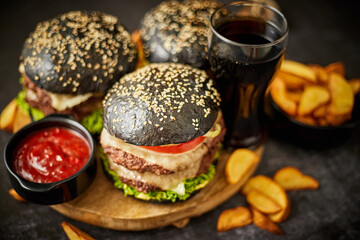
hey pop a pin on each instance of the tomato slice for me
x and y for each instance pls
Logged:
(176, 148)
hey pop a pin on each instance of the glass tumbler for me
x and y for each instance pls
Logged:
(247, 41)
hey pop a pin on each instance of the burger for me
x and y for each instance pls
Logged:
(70, 61)
(176, 31)
(162, 131)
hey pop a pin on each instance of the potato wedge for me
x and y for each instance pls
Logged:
(336, 67)
(294, 96)
(136, 36)
(16, 196)
(21, 119)
(355, 85)
(262, 202)
(265, 223)
(278, 93)
(298, 69)
(75, 233)
(337, 119)
(234, 218)
(320, 112)
(291, 81)
(342, 96)
(312, 98)
(7, 116)
(273, 190)
(321, 73)
(291, 178)
(239, 163)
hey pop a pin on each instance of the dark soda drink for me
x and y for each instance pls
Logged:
(243, 60)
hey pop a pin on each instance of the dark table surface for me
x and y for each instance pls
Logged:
(320, 32)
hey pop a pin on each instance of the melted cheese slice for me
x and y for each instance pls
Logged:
(61, 102)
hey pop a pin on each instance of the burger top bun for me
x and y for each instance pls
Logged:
(160, 104)
(176, 31)
(78, 52)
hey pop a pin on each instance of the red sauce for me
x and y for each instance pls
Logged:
(50, 155)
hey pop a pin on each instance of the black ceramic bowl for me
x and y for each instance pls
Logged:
(283, 126)
(55, 192)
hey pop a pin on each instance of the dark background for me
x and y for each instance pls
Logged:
(320, 32)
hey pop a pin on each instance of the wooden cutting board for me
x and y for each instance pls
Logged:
(104, 205)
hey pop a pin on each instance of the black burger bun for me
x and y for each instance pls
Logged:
(78, 52)
(176, 31)
(161, 104)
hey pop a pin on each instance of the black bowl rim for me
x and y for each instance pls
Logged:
(352, 123)
(54, 118)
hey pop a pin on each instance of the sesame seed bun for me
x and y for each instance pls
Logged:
(160, 104)
(176, 31)
(78, 52)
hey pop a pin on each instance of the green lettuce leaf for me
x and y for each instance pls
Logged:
(34, 112)
(191, 185)
(93, 122)
(20, 101)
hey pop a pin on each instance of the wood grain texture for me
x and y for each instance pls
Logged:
(104, 205)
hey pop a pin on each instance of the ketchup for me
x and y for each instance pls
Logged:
(50, 155)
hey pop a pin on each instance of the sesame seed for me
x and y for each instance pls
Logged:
(96, 66)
